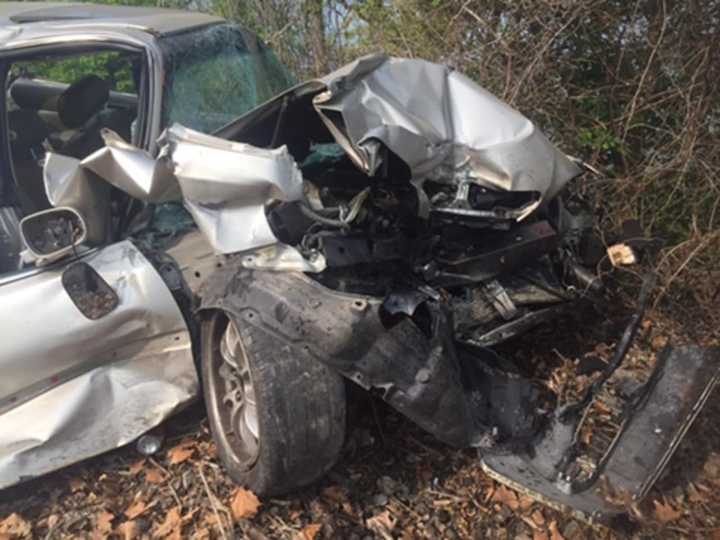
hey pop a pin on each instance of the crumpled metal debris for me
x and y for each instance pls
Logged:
(68, 184)
(85, 184)
(118, 163)
(441, 124)
(223, 184)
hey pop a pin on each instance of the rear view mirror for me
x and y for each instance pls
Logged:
(52, 234)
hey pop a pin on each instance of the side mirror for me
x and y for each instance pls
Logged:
(52, 234)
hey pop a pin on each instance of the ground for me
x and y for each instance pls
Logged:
(393, 480)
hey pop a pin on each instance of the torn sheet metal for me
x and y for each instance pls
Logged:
(85, 184)
(132, 170)
(119, 163)
(68, 184)
(226, 185)
(88, 386)
(441, 124)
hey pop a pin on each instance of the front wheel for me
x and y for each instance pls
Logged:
(278, 420)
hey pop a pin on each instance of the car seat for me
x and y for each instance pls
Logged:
(77, 106)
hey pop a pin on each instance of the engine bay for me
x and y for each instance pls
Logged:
(499, 276)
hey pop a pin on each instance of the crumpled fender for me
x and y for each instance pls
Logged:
(422, 378)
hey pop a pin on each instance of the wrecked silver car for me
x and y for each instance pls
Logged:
(181, 216)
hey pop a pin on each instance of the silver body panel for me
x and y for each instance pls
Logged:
(226, 185)
(441, 124)
(72, 387)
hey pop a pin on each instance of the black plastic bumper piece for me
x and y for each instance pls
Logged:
(681, 384)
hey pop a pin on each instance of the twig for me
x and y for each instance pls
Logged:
(633, 103)
(273, 38)
(406, 44)
(282, 525)
(540, 54)
(51, 530)
(174, 494)
(376, 417)
(156, 464)
(425, 447)
(213, 503)
(455, 17)
(168, 475)
(404, 506)
(706, 240)
(448, 495)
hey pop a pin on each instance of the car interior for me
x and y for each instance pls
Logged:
(61, 103)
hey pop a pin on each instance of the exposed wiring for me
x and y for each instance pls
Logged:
(355, 204)
(310, 213)
(346, 215)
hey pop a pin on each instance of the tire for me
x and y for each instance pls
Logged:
(298, 423)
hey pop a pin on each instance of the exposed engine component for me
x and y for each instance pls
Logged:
(493, 254)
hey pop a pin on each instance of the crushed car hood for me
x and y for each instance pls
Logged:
(440, 123)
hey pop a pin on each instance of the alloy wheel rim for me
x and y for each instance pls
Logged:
(237, 400)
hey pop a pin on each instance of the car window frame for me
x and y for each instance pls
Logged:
(69, 44)
(147, 120)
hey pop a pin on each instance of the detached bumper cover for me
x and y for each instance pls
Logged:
(679, 387)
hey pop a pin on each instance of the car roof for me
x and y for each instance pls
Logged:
(47, 16)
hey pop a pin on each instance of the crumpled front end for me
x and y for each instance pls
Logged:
(396, 222)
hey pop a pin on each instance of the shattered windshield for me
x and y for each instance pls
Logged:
(216, 74)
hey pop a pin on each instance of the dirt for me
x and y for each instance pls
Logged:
(393, 480)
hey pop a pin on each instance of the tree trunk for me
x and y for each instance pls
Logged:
(315, 28)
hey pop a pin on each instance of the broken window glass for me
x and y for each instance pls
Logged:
(216, 74)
